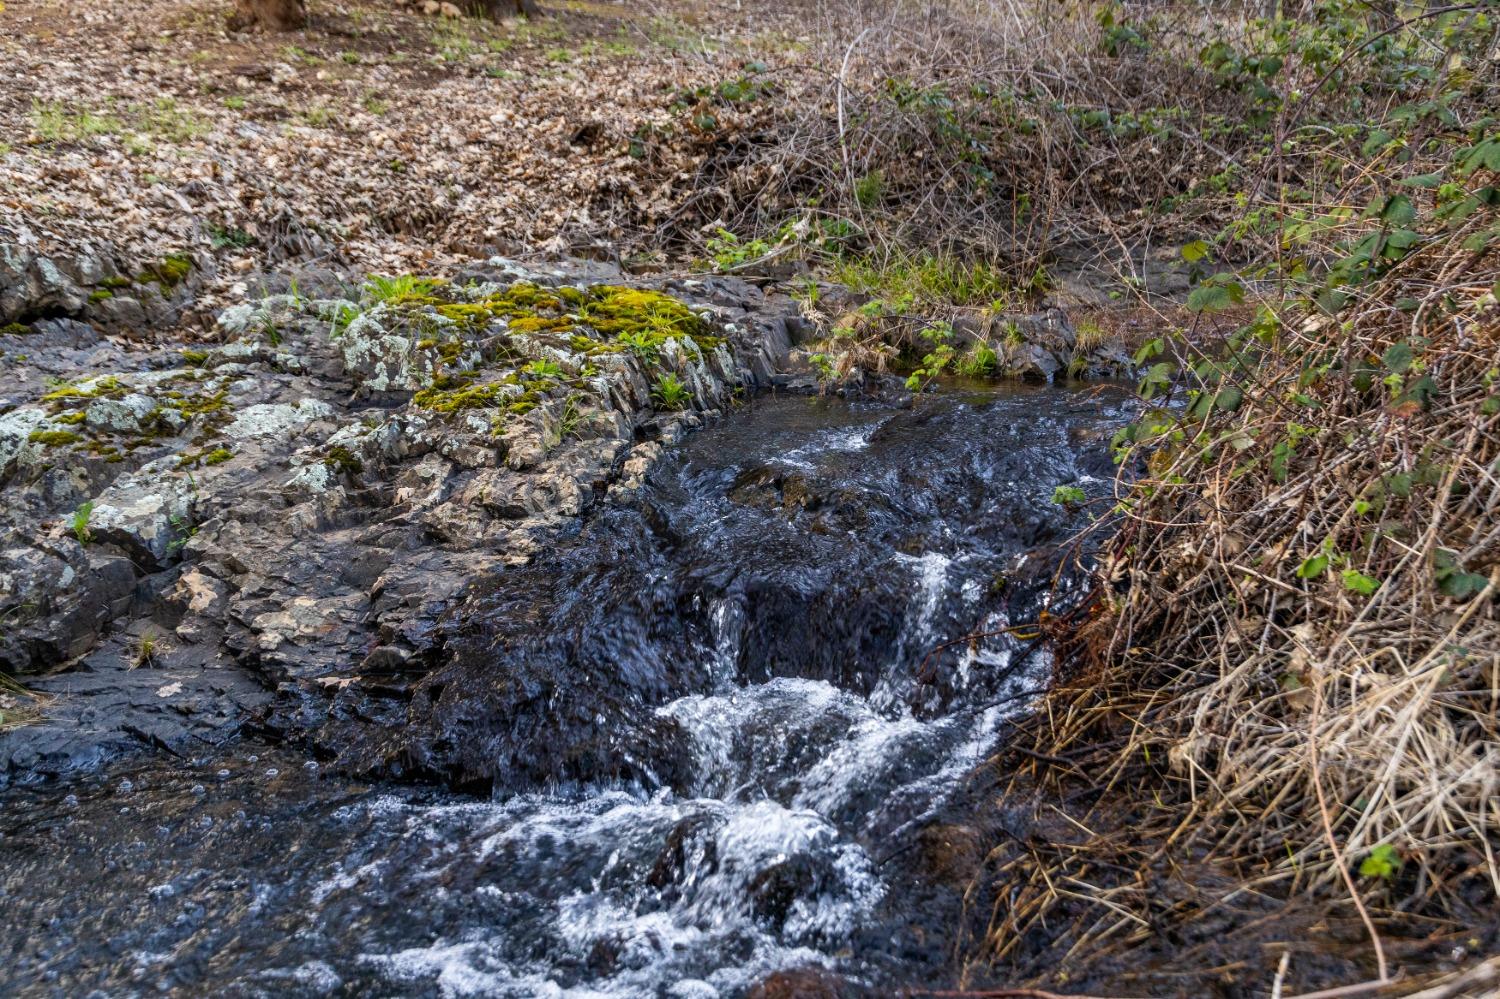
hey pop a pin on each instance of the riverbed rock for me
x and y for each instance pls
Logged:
(296, 514)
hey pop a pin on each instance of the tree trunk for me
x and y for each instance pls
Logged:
(269, 15)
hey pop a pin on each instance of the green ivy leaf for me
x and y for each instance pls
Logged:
(1402, 239)
(1480, 241)
(1149, 349)
(1281, 457)
(1331, 300)
(1360, 583)
(1159, 375)
(1377, 141)
(1195, 251)
(1216, 294)
(1421, 391)
(1462, 585)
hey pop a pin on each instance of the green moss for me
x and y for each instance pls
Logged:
(115, 282)
(216, 403)
(169, 272)
(343, 461)
(588, 345)
(72, 419)
(192, 459)
(535, 310)
(470, 315)
(53, 438)
(105, 450)
(617, 311)
(108, 387)
(524, 296)
(100, 295)
(15, 329)
(540, 324)
(194, 358)
(464, 396)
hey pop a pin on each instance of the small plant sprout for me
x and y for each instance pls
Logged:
(1382, 862)
(936, 360)
(395, 290)
(543, 368)
(640, 343)
(146, 650)
(1069, 496)
(670, 393)
(979, 362)
(568, 424)
(823, 365)
(81, 523)
(571, 420)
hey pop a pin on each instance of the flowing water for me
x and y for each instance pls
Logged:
(780, 740)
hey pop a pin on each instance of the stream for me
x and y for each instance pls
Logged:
(733, 781)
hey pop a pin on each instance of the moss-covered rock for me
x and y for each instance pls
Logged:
(54, 438)
(169, 272)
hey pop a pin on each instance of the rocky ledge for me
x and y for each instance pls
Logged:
(194, 535)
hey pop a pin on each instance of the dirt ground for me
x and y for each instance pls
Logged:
(381, 137)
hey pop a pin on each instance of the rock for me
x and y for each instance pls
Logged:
(124, 414)
(1031, 362)
(248, 505)
(120, 312)
(145, 514)
(198, 593)
(18, 450)
(57, 601)
(279, 421)
(800, 983)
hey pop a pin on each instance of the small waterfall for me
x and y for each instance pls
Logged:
(755, 640)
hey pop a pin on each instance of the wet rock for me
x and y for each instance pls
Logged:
(801, 983)
(1046, 347)
(58, 600)
(249, 504)
(1032, 362)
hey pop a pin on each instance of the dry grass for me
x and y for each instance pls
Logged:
(1240, 724)
(1255, 709)
(1013, 133)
